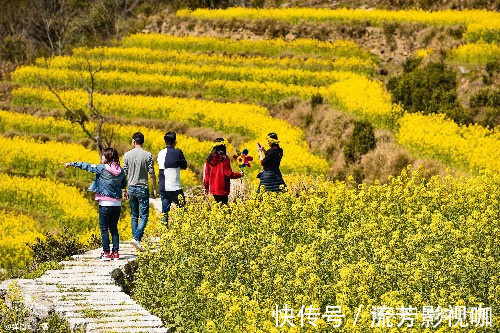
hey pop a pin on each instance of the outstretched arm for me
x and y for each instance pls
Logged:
(84, 166)
(228, 172)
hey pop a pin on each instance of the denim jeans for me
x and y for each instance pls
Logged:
(167, 198)
(108, 221)
(139, 209)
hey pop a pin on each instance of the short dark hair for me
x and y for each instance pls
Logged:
(170, 138)
(138, 137)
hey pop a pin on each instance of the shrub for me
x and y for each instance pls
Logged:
(429, 89)
(56, 248)
(13, 49)
(411, 64)
(486, 97)
(316, 99)
(361, 141)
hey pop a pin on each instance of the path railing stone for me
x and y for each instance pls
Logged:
(86, 295)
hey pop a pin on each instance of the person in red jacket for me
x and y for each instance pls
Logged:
(218, 173)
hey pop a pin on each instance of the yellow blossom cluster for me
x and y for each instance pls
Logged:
(265, 47)
(30, 157)
(62, 205)
(248, 120)
(411, 242)
(149, 56)
(476, 53)
(481, 24)
(472, 147)
(18, 229)
(194, 150)
(202, 73)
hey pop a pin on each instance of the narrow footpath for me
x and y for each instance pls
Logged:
(86, 295)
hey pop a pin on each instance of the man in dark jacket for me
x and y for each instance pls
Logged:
(170, 162)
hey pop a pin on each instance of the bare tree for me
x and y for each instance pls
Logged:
(89, 113)
(51, 21)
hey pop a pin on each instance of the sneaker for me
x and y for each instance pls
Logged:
(115, 255)
(105, 256)
(136, 244)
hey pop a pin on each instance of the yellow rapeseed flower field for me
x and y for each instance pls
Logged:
(476, 53)
(149, 56)
(413, 241)
(18, 229)
(482, 25)
(265, 47)
(472, 146)
(374, 16)
(246, 119)
(17, 155)
(203, 73)
(63, 205)
(194, 150)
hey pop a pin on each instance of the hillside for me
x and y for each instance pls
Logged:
(389, 122)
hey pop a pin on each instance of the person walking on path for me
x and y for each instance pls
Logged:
(109, 181)
(271, 178)
(170, 162)
(137, 164)
(218, 173)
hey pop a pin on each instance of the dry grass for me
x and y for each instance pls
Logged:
(328, 130)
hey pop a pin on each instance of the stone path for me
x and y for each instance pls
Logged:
(85, 294)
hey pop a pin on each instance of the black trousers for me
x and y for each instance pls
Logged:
(221, 198)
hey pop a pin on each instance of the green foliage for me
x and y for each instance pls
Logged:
(38, 270)
(486, 97)
(55, 324)
(258, 3)
(412, 241)
(14, 49)
(491, 117)
(56, 248)
(429, 89)
(360, 142)
(125, 279)
(316, 99)
(493, 67)
(411, 64)
(15, 312)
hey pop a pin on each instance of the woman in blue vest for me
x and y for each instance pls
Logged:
(109, 182)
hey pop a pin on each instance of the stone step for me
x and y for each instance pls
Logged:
(70, 287)
(114, 313)
(89, 295)
(81, 271)
(65, 309)
(94, 263)
(116, 324)
(112, 317)
(95, 302)
(75, 278)
(84, 287)
(130, 330)
(126, 255)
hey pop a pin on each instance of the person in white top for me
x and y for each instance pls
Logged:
(170, 161)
